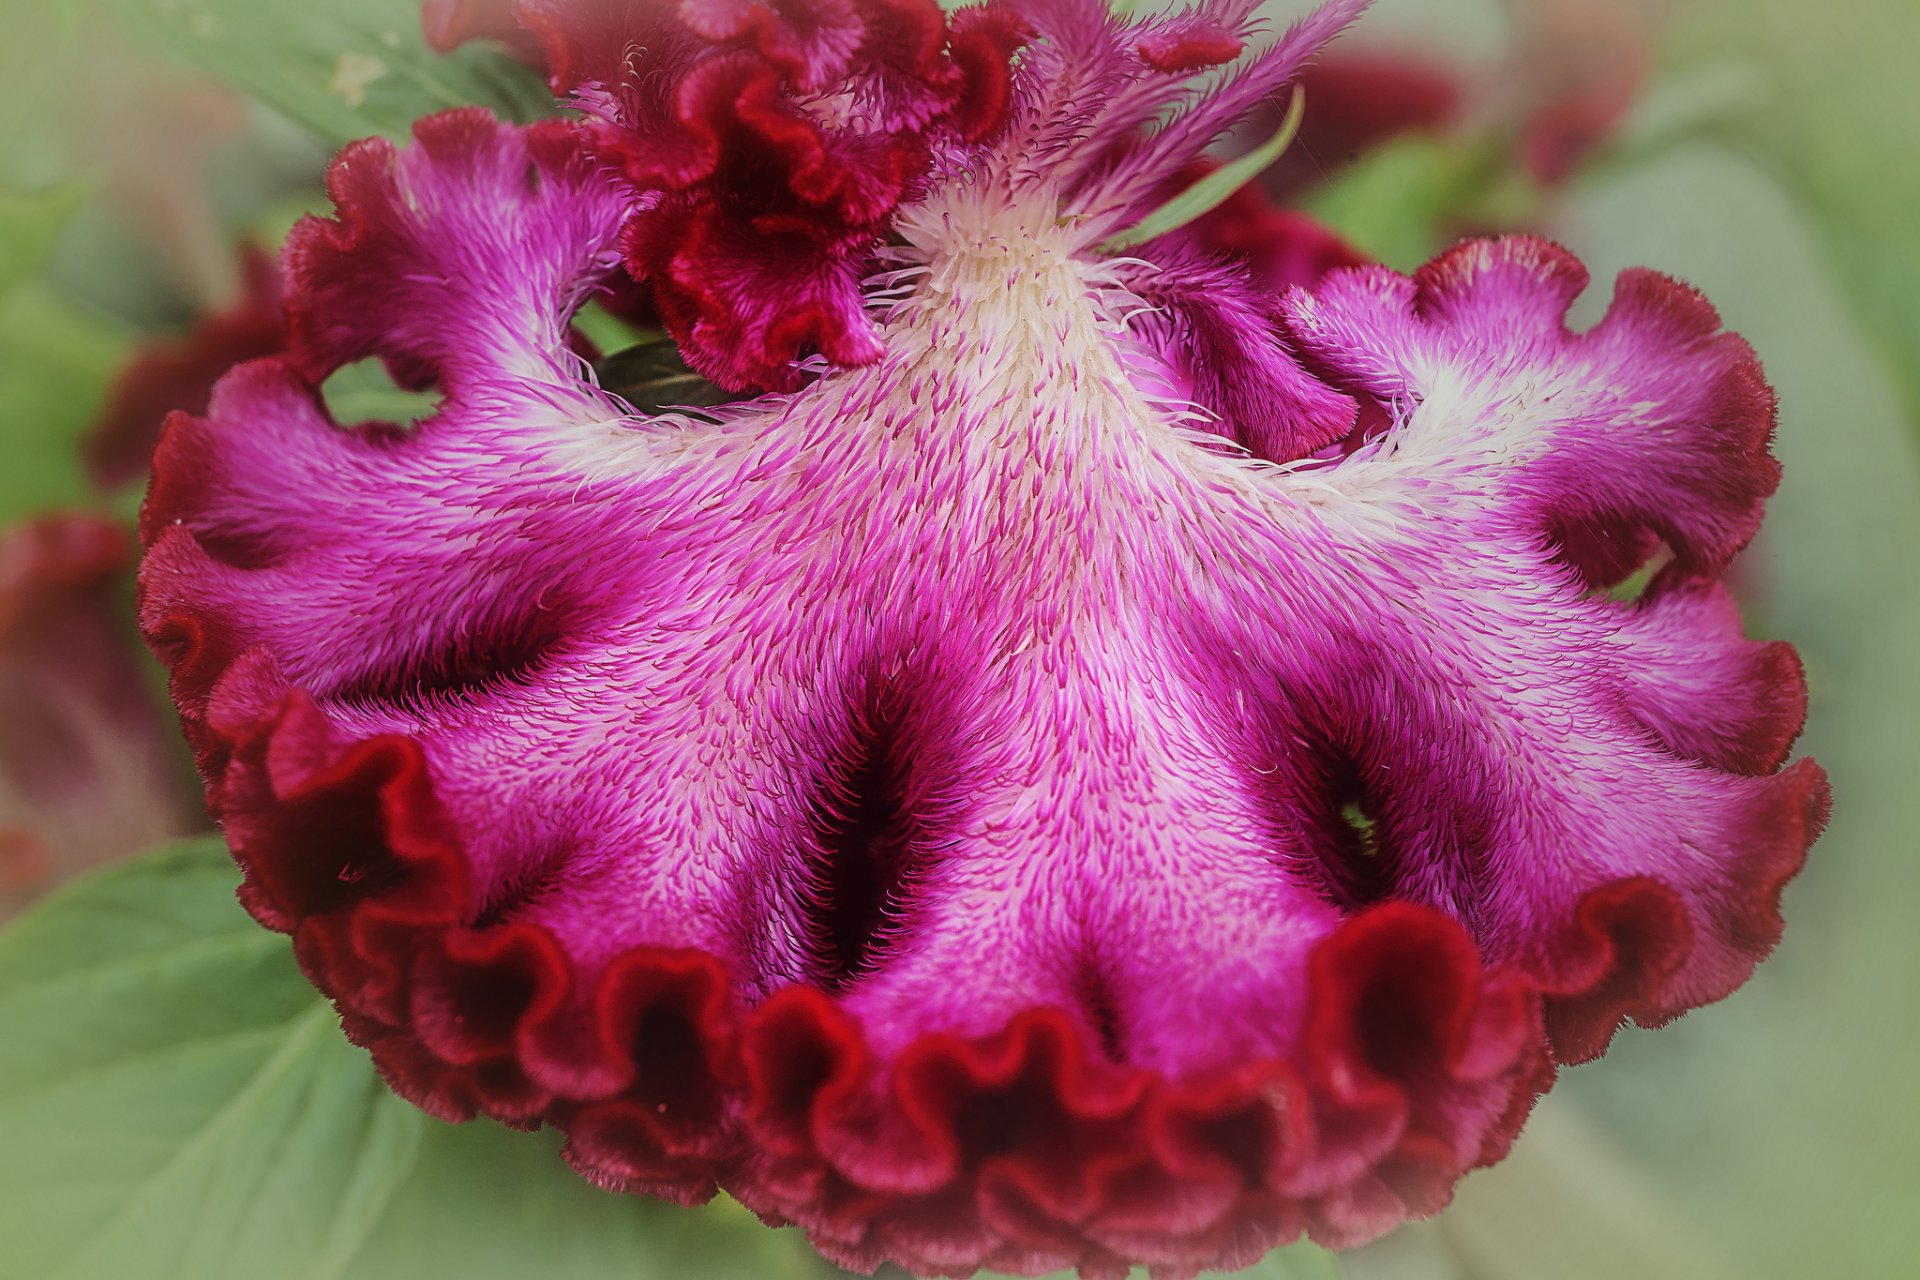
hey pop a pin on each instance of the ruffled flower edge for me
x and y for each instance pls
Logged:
(1025, 1151)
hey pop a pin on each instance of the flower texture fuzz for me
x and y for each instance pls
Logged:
(1140, 769)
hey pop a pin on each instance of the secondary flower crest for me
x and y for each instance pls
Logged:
(1138, 769)
(774, 142)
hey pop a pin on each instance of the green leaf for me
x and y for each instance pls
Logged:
(365, 392)
(1301, 1261)
(1403, 202)
(180, 1105)
(1792, 1180)
(344, 69)
(484, 1203)
(1392, 202)
(1837, 117)
(54, 359)
(1570, 1204)
(608, 331)
(177, 1100)
(1207, 194)
(55, 364)
(29, 224)
(651, 376)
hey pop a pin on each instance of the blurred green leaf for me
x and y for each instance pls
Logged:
(344, 69)
(34, 56)
(1405, 201)
(55, 365)
(54, 360)
(1783, 1121)
(176, 1099)
(484, 1203)
(1838, 120)
(29, 224)
(1390, 203)
(364, 392)
(1769, 1138)
(1301, 1261)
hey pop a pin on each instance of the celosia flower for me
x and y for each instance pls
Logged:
(1127, 769)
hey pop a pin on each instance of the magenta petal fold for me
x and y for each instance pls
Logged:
(1133, 769)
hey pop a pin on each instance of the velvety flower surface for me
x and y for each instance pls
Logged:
(1131, 768)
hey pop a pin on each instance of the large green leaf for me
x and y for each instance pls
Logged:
(1783, 1122)
(1839, 118)
(180, 1105)
(483, 1203)
(178, 1102)
(343, 69)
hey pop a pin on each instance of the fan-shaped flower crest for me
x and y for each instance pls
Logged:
(1121, 766)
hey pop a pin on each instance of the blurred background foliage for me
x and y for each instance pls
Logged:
(1767, 155)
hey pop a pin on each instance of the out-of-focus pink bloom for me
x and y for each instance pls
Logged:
(448, 24)
(150, 132)
(1133, 767)
(1575, 70)
(1358, 101)
(89, 768)
(1578, 68)
(178, 373)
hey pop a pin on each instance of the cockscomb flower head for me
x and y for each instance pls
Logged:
(1126, 768)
